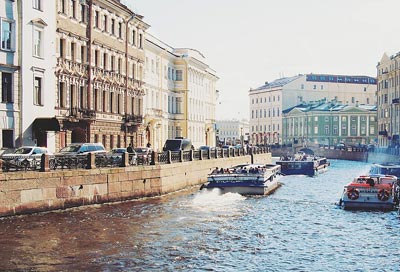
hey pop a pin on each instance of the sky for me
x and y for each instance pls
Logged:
(250, 42)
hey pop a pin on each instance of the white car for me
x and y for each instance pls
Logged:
(25, 157)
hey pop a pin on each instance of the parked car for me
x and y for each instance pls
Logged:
(116, 155)
(143, 154)
(82, 149)
(25, 156)
(178, 144)
(340, 146)
(206, 147)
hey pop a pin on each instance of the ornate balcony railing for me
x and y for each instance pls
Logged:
(133, 119)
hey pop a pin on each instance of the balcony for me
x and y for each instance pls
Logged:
(132, 119)
(77, 113)
(383, 133)
(396, 101)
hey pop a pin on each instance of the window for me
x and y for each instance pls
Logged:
(96, 18)
(82, 97)
(105, 23)
(37, 4)
(37, 91)
(133, 70)
(134, 37)
(73, 3)
(37, 42)
(104, 106)
(83, 13)
(83, 53)
(119, 103)
(96, 99)
(73, 51)
(335, 130)
(7, 137)
(326, 130)
(113, 26)
(112, 63)
(62, 48)
(63, 5)
(96, 57)
(61, 94)
(6, 88)
(6, 35)
(120, 30)
(179, 75)
(112, 108)
(105, 58)
(140, 40)
(119, 65)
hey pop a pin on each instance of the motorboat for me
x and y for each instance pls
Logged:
(302, 164)
(244, 179)
(386, 169)
(373, 191)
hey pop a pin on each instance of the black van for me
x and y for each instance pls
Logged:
(177, 144)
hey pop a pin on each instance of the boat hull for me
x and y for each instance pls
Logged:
(309, 168)
(243, 181)
(244, 189)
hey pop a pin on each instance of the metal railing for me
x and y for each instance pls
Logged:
(89, 161)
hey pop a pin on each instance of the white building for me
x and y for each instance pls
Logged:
(37, 64)
(9, 75)
(181, 95)
(268, 101)
(233, 132)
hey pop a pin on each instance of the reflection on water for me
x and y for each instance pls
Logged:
(297, 228)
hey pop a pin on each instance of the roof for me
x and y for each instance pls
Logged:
(277, 83)
(323, 105)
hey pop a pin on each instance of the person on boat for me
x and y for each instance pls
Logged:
(215, 171)
(371, 182)
(221, 171)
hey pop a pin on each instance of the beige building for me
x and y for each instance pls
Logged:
(100, 63)
(388, 72)
(181, 95)
(268, 101)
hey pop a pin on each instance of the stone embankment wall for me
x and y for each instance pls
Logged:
(29, 192)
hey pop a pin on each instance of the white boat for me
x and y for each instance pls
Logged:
(370, 192)
(245, 179)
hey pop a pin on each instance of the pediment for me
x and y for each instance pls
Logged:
(39, 22)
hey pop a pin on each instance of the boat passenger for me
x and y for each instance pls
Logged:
(371, 182)
(221, 171)
(215, 171)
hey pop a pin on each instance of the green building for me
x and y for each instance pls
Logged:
(329, 123)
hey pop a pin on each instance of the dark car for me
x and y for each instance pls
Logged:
(116, 155)
(143, 154)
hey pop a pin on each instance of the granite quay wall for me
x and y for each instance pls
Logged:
(32, 191)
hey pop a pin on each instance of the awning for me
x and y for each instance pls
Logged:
(46, 124)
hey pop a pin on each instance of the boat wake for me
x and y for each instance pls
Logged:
(214, 200)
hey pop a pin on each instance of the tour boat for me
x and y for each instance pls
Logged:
(386, 169)
(302, 164)
(374, 191)
(245, 179)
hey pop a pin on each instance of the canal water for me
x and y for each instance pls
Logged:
(298, 228)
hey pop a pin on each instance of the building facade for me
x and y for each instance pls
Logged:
(99, 74)
(268, 101)
(233, 132)
(329, 123)
(388, 73)
(181, 95)
(37, 25)
(10, 126)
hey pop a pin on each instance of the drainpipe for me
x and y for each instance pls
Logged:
(126, 72)
(89, 61)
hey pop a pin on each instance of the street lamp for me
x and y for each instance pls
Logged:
(241, 136)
